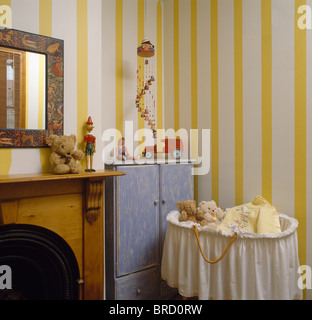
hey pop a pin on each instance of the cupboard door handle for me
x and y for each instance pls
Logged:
(164, 200)
(156, 202)
(138, 291)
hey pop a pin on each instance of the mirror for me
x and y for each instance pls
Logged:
(31, 88)
(22, 89)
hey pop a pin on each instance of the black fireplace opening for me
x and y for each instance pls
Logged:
(42, 264)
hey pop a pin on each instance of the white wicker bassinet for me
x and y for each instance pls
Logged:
(256, 266)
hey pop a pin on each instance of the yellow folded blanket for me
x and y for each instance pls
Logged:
(257, 216)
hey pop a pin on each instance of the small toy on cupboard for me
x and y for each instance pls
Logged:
(122, 151)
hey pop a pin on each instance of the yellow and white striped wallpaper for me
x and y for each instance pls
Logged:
(252, 91)
(241, 68)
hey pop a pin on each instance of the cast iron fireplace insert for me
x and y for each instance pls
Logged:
(43, 265)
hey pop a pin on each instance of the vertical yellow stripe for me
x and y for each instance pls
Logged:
(300, 134)
(194, 115)
(45, 28)
(8, 18)
(119, 65)
(5, 154)
(41, 99)
(214, 101)
(266, 59)
(238, 92)
(5, 3)
(176, 65)
(194, 120)
(45, 17)
(141, 18)
(82, 70)
(159, 47)
(159, 51)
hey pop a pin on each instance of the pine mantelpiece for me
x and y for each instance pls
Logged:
(70, 205)
(99, 174)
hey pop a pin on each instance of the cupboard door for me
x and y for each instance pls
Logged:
(176, 184)
(138, 286)
(137, 218)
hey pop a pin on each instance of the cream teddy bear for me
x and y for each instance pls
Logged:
(211, 213)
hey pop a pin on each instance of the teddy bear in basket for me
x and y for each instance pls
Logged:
(211, 213)
(189, 212)
(63, 156)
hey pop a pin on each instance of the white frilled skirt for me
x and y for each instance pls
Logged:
(256, 266)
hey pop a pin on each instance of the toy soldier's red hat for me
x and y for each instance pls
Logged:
(89, 120)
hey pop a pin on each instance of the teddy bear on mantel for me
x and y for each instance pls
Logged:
(63, 154)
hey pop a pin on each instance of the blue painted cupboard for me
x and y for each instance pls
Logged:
(136, 206)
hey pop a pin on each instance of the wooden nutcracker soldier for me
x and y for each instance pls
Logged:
(89, 145)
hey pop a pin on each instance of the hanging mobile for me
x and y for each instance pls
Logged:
(146, 50)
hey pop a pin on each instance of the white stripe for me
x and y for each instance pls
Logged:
(203, 86)
(252, 98)
(130, 41)
(108, 88)
(185, 64)
(168, 65)
(108, 64)
(25, 15)
(95, 105)
(64, 26)
(226, 104)
(283, 106)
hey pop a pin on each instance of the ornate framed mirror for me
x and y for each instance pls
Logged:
(31, 88)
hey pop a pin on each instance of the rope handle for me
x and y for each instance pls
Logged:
(224, 252)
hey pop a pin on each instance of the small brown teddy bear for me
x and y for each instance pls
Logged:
(189, 212)
(63, 156)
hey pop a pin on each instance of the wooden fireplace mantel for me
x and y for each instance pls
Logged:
(71, 205)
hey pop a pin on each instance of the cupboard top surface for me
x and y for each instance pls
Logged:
(149, 162)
